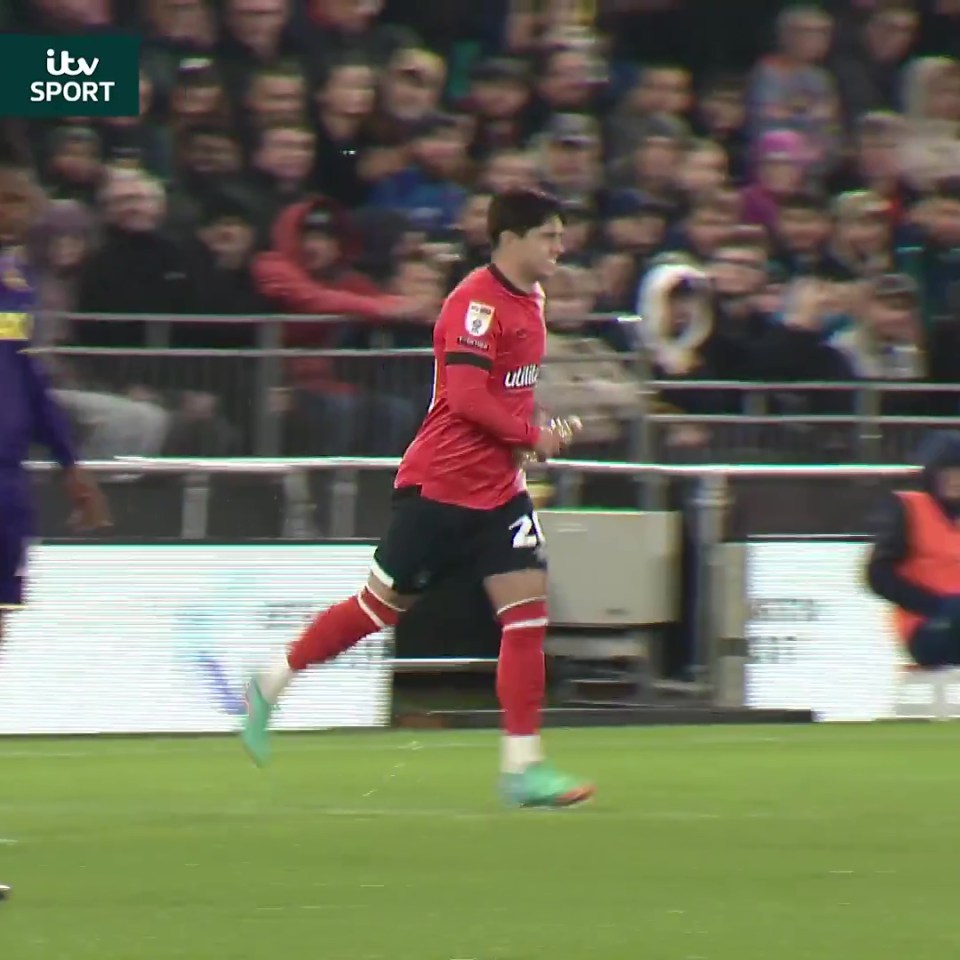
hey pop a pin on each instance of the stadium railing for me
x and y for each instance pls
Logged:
(710, 501)
(254, 396)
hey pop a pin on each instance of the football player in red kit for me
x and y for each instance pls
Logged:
(460, 497)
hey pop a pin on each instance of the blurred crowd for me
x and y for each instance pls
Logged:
(768, 195)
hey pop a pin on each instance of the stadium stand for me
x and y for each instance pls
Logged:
(770, 194)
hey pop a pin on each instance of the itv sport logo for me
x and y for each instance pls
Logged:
(45, 76)
(62, 64)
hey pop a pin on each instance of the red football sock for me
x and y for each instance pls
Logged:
(339, 627)
(521, 676)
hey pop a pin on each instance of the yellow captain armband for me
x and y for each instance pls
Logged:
(16, 326)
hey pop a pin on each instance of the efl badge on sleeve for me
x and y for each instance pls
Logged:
(478, 319)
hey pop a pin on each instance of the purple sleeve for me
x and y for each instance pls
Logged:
(50, 426)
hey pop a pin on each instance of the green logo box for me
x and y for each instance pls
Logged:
(86, 76)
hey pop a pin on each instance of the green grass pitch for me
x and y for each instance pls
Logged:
(750, 843)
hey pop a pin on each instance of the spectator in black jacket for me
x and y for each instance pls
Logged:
(280, 172)
(73, 168)
(750, 345)
(802, 232)
(499, 95)
(343, 103)
(743, 330)
(210, 159)
(868, 77)
(137, 269)
(474, 241)
(223, 253)
(631, 234)
(722, 118)
(274, 94)
(710, 220)
(875, 163)
(930, 251)
(861, 246)
(255, 34)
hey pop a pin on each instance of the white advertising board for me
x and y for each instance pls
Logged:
(161, 639)
(818, 639)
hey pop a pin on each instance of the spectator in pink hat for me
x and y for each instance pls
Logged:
(780, 162)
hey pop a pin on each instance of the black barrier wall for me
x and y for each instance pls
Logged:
(455, 620)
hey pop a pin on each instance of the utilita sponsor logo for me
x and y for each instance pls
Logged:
(522, 377)
(62, 64)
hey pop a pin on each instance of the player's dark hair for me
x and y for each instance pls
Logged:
(519, 212)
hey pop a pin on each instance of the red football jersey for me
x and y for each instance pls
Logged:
(489, 323)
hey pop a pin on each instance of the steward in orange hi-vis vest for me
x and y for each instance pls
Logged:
(915, 562)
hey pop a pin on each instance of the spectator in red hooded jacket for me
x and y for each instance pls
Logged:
(308, 271)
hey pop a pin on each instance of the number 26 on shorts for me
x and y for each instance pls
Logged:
(527, 532)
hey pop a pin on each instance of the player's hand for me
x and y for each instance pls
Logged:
(553, 438)
(548, 445)
(568, 428)
(90, 511)
(525, 458)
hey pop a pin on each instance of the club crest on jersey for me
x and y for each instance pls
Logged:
(522, 377)
(478, 319)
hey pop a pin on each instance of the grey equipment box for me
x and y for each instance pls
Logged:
(616, 569)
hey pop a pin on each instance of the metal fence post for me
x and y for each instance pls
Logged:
(196, 506)
(650, 489)
(867, 408)
(297, 507)
(710, 502)
(343, 503)
(755, 405)
(569, 488)
(269, 378)
(158, 334)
